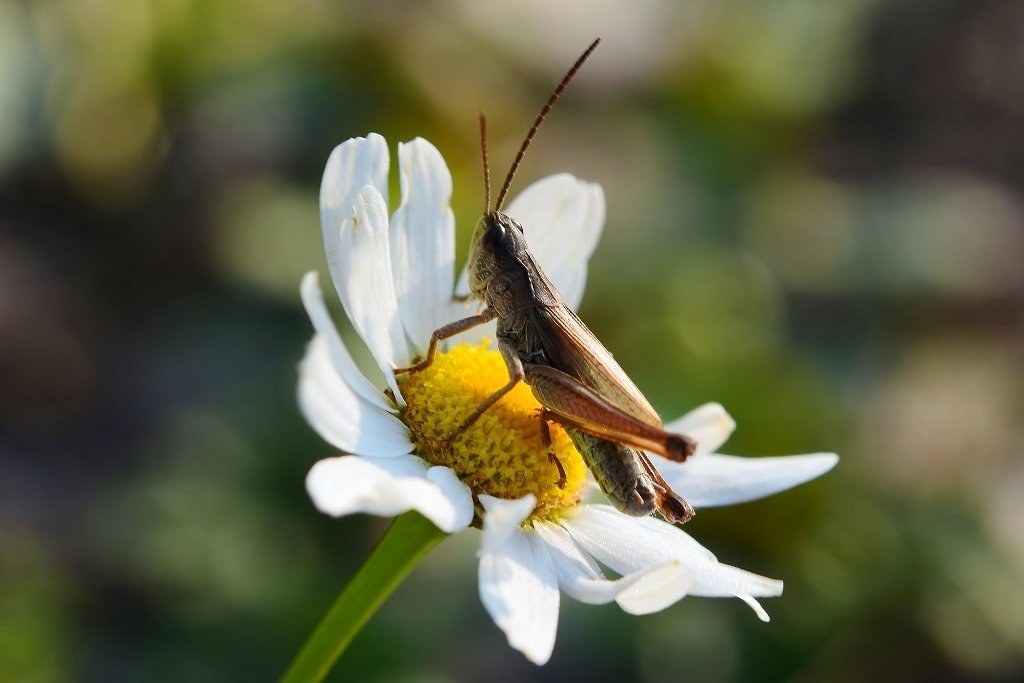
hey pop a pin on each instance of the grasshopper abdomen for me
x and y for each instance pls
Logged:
(629, 479)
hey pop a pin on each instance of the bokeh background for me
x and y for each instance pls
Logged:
(814, 217)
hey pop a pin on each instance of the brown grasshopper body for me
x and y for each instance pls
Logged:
(576, 380)
(572, 375)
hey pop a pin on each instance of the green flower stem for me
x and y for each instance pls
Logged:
(407, 541)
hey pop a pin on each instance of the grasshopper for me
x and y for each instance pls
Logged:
(545, 344)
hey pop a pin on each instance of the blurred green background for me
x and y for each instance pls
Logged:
(814, 217)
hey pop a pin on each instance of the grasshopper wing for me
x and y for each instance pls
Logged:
(572, 348)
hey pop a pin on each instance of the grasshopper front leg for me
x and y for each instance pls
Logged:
(515, 367)
(573, 403)
(446, 332)
(515, 376)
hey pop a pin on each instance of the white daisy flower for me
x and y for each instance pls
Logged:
(394, 277)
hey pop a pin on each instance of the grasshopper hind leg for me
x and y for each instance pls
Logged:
(545, 439)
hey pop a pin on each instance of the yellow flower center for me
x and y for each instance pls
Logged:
(502, 453)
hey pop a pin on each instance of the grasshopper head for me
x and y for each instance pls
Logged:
(497, 240)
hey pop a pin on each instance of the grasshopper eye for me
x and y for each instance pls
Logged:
(492, 237)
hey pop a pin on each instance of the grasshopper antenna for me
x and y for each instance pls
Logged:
(540, 119)
(483, 158)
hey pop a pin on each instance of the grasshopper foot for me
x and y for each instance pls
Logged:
(561, 470)
(415, 367)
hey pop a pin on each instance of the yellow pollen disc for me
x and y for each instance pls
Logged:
(502, 454)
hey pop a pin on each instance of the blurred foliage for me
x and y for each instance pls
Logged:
(814, 218)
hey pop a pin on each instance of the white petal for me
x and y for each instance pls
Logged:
(709, 424)
(502, 518)
(313, 300)
(581, 578)
(343, 418)
(629, 544)
(645, 541)
(657, 589)
(711, 480)
(352, 165)
(562, 217)
(368, 292)
(423, 241)
(387, 487)
(578, 575)
(458, 494)
(520, 591)
(756, 606)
